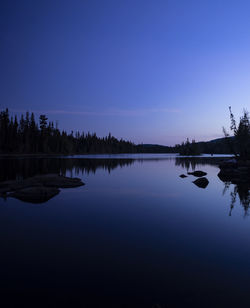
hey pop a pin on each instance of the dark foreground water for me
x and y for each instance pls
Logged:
(136, 235)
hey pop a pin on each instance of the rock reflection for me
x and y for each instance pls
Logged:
(240, 188)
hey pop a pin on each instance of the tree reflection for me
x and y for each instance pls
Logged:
(240, 190)
(17, 169)
(190, 163)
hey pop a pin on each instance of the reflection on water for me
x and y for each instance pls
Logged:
(14, 169)
(191, 163)
(240, 190)
(137, 235)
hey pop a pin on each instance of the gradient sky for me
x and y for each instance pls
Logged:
(149, 71)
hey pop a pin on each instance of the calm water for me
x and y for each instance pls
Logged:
(136, 235)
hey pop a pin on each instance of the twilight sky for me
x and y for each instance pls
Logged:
(151, 71)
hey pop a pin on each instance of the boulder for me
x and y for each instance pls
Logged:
(201, 182)
(183, 176)
(198, 173)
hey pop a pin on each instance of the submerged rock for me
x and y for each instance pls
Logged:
(35, 194)
(198, 173)
(201, 182)
(183, 176)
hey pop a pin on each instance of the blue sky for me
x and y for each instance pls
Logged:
(148, 71)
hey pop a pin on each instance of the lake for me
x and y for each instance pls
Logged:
(136, 235)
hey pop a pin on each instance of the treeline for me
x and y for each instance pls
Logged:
(217, 146)
(154, 148)
(193, 148)
(188, 148)
(27, 136)
(238, 144)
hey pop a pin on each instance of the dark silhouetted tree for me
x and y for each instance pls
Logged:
(240, 144)
(26, 136)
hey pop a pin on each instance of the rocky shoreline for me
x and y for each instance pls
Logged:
(235, 171)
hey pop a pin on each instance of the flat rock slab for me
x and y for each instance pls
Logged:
(48, 180)
(35, 194)
(198, 173)
(39, 188)
(201, 182)
(53, 180)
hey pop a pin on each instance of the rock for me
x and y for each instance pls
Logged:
(234, 171)
(201, 182)
(198, 173)
(39, 188)
(183, 176)
(54, 180)
(35, 194)
(48, 180)
(234, 176)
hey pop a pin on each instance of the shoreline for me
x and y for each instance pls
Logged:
(49, 155)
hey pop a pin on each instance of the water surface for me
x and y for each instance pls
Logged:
(135, 235)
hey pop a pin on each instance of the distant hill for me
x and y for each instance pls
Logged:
(215, 146)
(154, 148)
